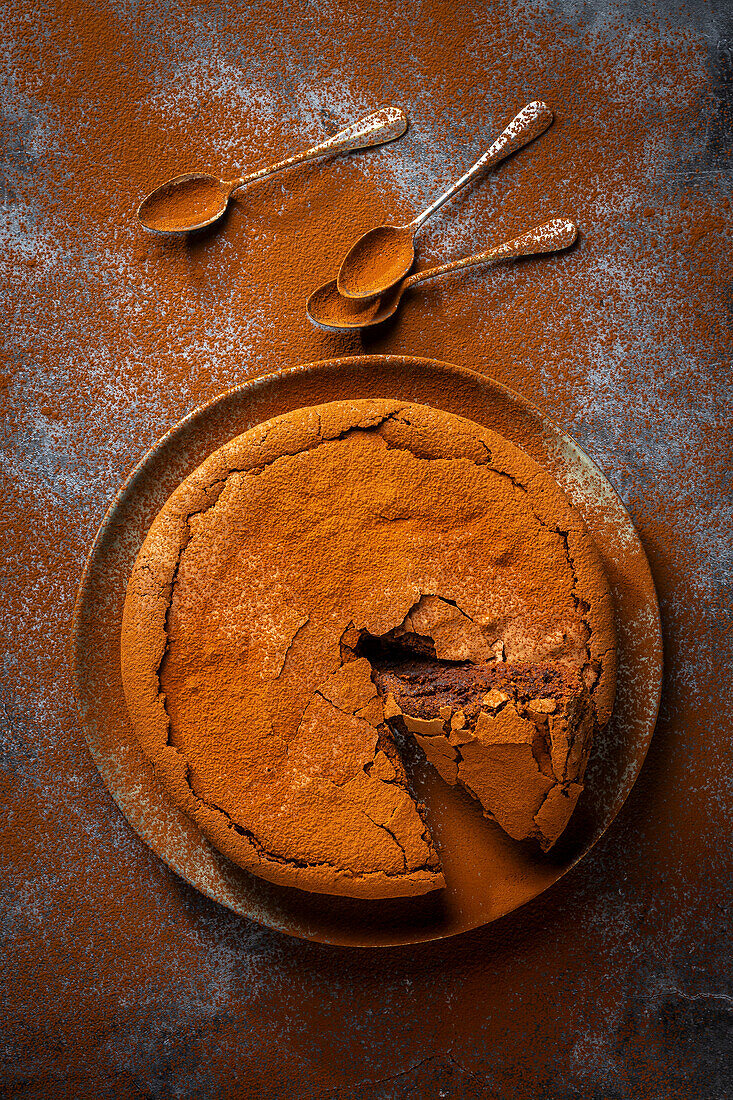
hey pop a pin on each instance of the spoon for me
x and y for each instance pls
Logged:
(383, 255)
(329, 310)
(195, 199)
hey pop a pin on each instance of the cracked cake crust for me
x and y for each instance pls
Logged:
(242, 685)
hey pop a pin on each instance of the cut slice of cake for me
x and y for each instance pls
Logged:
(515, 736)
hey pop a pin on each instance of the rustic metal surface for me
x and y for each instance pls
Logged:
(121, 981)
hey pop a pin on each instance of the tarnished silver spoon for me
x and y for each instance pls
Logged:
(329, 310)
(195, 200)
(382, 256)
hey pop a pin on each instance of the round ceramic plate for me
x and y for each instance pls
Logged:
(487, 873)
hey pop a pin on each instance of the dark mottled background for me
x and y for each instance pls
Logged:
(121, 981)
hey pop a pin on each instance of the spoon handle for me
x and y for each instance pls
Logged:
(531, 121)
(385, 124)
(552, 236)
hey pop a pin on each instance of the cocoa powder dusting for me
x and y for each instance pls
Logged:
(120, 979)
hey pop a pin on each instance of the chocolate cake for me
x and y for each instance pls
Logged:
(274, 581)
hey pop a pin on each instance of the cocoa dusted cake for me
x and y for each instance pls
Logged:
(349, 572)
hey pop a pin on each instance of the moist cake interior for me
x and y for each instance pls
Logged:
(515, 736)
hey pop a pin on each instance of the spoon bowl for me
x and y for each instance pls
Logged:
(191, 201)
(330, 311)
(377, 261)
